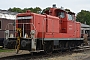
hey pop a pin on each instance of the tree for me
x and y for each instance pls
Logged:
(35, 10)
(83, 16)
(67, 10)
(25, 9)
(15, 10)
(46, 9)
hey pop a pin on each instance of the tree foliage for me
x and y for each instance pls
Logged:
(83, 17)
(35, 10)
(67, 10)
(46, 9)
(15, 10)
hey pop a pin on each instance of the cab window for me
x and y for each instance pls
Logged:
(70, 17)
(61, 14)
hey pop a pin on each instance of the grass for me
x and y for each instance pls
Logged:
(6, 50)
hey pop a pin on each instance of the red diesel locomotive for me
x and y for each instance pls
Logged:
(56, 29)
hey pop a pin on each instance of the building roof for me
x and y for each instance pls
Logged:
(85, 26)
(7, 14)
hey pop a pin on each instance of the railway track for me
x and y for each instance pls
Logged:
(42, 56)
(35, 56)
(82, 48)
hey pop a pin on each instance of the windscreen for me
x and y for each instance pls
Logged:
(70, 16)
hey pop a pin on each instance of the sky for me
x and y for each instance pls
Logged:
(74, 5)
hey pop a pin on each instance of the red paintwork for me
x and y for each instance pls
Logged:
(52, 26)
(78, 31)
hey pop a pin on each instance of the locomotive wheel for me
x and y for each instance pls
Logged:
(48, 47)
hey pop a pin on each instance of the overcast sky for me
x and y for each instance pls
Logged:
(74, 5)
